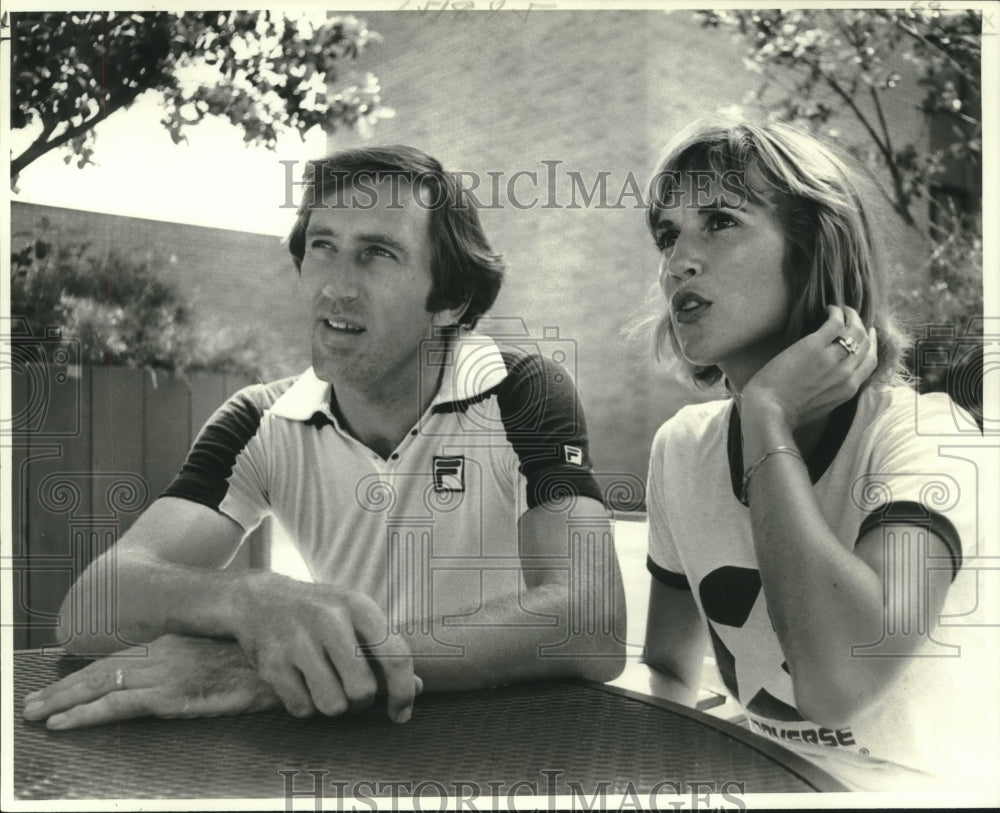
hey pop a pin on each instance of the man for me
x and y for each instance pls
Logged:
(438, 487)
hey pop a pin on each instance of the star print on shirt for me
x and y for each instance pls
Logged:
(750, 660)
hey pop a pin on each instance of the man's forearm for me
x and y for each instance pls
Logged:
(500, 649)
(127, 598)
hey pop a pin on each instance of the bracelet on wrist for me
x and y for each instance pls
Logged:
(744, 496)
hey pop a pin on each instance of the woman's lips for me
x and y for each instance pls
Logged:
(688, 307)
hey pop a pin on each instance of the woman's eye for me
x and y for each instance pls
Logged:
(665, 240)
(320, 243)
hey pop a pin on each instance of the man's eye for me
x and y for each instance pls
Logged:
(721, 220)
(321, 243)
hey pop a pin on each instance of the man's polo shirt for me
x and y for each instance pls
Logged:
(433, 528)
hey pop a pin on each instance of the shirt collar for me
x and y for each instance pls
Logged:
(834, 434)
(307, 396)
(472, 365)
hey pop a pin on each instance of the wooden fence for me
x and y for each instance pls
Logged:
(92, 447)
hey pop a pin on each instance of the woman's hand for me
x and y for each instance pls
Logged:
(816, 374)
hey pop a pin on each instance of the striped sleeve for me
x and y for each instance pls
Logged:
(662, 561)
(920, 477)
(544, 422)
(224, 469)
(667, 577)
(915, 514)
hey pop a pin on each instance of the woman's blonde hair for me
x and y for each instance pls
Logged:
(832, 255)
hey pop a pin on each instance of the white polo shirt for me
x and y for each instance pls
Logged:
(432, 529)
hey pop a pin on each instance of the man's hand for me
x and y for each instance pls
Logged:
(173, 676)
(815, 375)
(315, 644)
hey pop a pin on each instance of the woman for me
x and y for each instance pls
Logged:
(803, 526)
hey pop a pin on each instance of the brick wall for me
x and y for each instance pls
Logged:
(503, 92)
(598, 91)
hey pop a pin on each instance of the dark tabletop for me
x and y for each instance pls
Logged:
(566, 738)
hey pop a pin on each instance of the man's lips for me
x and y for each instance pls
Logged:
(688, 307)
(342, 324)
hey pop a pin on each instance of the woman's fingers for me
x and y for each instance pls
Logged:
(846, 340)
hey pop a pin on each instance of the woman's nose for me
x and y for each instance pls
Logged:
(684, 261)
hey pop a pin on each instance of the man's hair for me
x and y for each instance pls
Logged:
(832, 255)
(464, 268)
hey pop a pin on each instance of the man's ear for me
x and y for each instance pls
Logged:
(451, 316)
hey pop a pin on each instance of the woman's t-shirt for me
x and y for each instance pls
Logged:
(888, 458)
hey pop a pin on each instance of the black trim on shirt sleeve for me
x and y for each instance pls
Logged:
(544, 422)
(914, 513)
(204, 477)
(667, 577)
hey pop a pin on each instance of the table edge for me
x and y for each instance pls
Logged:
(805, 770)
(808, 772)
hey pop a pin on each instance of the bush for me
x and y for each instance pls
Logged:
(120, 309)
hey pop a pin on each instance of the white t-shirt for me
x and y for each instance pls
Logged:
(888, 456)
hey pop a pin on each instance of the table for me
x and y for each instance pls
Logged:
(569, 738)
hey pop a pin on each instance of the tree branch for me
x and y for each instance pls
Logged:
(881, 119)
(41, 145)
(146, 51)
(900, 205)
(836, 88)
(958, 66)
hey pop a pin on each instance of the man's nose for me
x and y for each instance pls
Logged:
(341, 281)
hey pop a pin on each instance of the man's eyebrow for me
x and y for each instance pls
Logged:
(319, 229)
(383, 240)
(368, 237)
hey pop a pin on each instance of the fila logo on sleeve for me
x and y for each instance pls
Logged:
(449, 473)
(573, 454)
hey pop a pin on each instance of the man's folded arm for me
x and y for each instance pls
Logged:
(163, 576)
(571, 579)
(166, 578)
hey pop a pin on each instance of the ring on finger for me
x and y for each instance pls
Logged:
(849, 344)
(119, 679)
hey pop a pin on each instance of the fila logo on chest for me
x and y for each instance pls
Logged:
(449, 473)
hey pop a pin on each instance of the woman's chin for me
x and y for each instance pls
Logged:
(693, 357)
